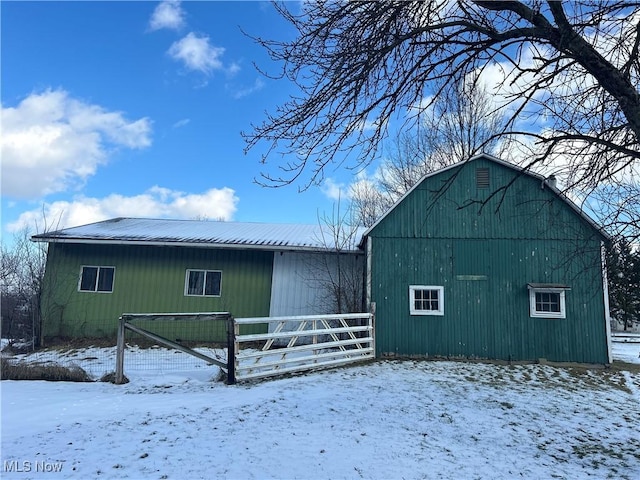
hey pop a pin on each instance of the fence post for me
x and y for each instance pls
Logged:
(231, 351)
(373, 327)
(119, 377)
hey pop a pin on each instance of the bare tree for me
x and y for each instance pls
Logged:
(339, 271)
(368, 201)
(617, 208)
(568, 88)
(23, 264)
(460, 124)
(21, 289)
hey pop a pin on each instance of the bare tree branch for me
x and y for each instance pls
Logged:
(460, 123)
(572, 73)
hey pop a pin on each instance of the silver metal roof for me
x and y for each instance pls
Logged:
(144, 231)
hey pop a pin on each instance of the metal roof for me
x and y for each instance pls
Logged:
(145, 231)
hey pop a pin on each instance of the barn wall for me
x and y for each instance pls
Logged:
(148, 279)
(484, 257)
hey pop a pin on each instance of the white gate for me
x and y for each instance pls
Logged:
(312, 342)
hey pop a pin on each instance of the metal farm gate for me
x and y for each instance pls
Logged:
(296, 344)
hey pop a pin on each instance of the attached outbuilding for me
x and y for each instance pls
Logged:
(97, 272)
(487, 260)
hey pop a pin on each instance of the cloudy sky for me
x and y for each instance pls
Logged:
(135, 109)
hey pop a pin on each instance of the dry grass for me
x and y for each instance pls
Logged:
(10, 370)
(110, 377)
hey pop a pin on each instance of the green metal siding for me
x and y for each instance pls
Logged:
(484, 258)
(149, 279)
(448, 206)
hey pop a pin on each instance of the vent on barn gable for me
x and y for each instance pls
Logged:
(482, 177)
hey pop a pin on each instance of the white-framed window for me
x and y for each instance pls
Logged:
(203, 283)
(96, 279)
(426, 300)
(547, 300)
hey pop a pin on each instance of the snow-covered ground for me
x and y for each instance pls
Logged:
(626, 351)
(386, 419)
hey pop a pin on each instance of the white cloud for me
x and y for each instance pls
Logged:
(234, 68)
(334, 190)
(182, 123)
(197, 53)
(51, 142)
(157, 202)
(168, 14)
(257, 86)
(424, 105)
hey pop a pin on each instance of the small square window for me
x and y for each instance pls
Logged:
(547, 301)
(96, 279)
(203, 283)
(426, 300)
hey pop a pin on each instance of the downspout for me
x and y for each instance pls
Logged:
(367, 281)
(605, 291)
(371, 307)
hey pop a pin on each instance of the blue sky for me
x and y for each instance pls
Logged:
(135, 109)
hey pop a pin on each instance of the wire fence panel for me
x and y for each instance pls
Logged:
(187, 335)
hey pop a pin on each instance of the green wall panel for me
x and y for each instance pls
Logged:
(150, 279)
(449, 206)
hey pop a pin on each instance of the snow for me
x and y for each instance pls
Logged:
(384, 419)
(628, 352)
(196, 232)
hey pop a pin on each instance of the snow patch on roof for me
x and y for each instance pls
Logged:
(206, 233)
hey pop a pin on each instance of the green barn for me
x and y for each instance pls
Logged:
(479, 260)
(486, 260)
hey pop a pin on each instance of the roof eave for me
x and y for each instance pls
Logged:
(177, 243)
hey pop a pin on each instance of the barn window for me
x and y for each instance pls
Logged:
(426, 300)
(482, 177)
(547, 300)
(96, 279)
(203, 283)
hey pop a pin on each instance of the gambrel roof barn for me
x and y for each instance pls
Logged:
(486, 260)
